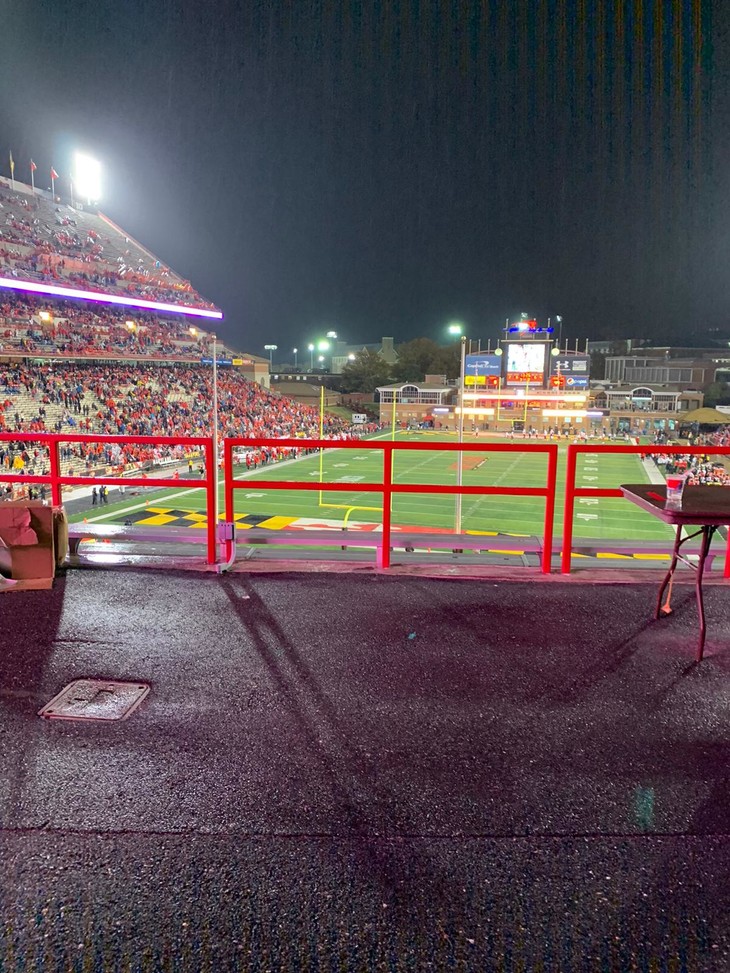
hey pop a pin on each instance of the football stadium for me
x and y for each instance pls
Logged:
(100, 339)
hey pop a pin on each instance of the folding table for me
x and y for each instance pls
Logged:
(705, 507)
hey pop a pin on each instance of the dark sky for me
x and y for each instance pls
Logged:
(383, 168)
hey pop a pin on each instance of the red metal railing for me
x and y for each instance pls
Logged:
(56, 480)
(572, 491)
(388, 488)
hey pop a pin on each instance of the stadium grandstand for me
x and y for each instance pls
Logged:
(96, 337)
(47, 243)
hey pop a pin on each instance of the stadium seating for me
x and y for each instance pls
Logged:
(43, 240)
(145, 399)
(78, 367)
(72, 329)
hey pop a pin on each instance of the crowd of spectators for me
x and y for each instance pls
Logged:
(700, 469)
(113, 400)
(72, 328)
(43, 240)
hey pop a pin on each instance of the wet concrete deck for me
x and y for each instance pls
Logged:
(345, 772)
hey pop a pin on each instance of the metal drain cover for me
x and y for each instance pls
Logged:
(96, 699)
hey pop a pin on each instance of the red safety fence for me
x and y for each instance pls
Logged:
(572, 491)
(387, 488)
(57, 480)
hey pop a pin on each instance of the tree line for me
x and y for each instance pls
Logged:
(416, 359)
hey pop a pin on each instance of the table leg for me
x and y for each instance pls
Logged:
(669, 577)
(707, 535)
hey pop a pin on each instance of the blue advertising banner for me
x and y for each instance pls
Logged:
(482, 369)
(574, 369)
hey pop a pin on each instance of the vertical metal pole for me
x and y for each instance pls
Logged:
(215, 434)
(211, 489)
(55, 470)
(321, 436)
(552, 479)
(228, 498)
(459, 461)
(384, 559)
(569, 508)
(392, 420)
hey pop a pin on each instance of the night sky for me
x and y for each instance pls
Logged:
(383, 168)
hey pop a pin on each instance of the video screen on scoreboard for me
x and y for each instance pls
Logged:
(525, 363)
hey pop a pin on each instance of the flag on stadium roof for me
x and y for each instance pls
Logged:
(54, 174)
(33, 166)
(12, 165)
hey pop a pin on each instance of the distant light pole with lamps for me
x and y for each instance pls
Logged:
(271, 349)
(310, 349)
(458, 329)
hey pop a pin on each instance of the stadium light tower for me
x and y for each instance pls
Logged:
(310, 349)
(271, 349)
(87, 177)
(456, 328)
(295, 358)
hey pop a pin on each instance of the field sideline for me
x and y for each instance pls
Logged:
(596, 519)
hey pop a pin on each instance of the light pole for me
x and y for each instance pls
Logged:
(455, 329)
(323, 346)
(295, 358)
(310, 349)
(271, 349)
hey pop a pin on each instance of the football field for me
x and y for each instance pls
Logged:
(595, 518)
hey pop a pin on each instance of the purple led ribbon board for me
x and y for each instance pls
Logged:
(53, 291)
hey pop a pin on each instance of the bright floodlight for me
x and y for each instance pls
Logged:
(456, 328)
(323, 345)
(87, 177)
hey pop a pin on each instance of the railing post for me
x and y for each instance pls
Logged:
(228, 502)
(552, 479)
(568, 509)
(387, 501)
(55, 469)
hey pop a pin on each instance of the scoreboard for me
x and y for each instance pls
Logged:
(526, 363)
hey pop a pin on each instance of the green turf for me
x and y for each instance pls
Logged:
(602, 518)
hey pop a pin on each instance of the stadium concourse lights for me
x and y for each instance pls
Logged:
(98, 296)
(87, 177)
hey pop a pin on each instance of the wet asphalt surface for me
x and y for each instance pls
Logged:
(345, 772)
